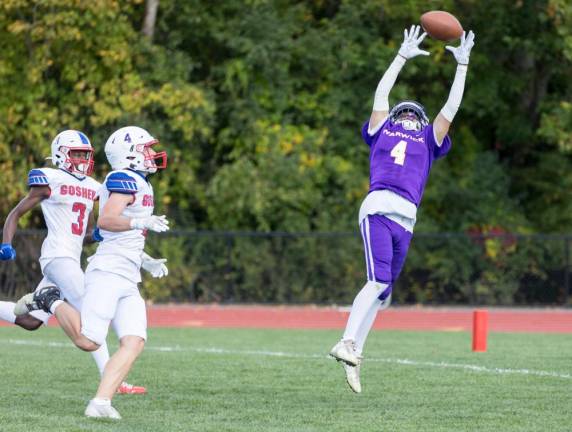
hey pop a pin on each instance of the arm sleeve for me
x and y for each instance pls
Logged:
(438, 150)
(370, 138)
(381, 100)
(37, 177)
(456, 94)
(121, 182)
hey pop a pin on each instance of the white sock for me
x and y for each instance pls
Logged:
(101, 401)
(366, 326)
(368, 322)
(55, 305)
(366, 298)
(7, 311)
(101, 357)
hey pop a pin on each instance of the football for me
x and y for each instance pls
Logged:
(441, 25)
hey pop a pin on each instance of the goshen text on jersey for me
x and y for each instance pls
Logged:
(78, 191)
(148, 201)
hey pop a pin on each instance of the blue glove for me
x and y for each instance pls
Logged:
(7, 252)
(96, 235)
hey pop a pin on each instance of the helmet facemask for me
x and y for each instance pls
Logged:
(75, 160)
(410, 115)
(409, 121)
(152, 157)
(148, 160)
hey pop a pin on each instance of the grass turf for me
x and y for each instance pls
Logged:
(211, 380)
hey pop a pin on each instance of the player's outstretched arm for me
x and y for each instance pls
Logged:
(36, 195)
(409, 49)
(445, 118)
(111, 218)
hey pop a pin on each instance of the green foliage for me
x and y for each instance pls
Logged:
(259, 104)
(83, 65)
(311, 67)
(488, 266)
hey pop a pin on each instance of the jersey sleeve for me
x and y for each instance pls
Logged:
(438, 150)
(37, 177)
(121, 182)
(370, 139)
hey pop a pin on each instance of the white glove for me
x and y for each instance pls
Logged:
(156, 267)
(411, 41)
(463, 51)
(153, 223)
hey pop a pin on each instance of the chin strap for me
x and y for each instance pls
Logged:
(456, 95)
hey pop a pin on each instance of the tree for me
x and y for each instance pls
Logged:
(84, 66)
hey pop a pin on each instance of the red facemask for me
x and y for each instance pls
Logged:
(78, 164)
(153, 159)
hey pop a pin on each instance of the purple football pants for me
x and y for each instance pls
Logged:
(386, 244)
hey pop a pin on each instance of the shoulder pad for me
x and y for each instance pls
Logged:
(121, 182)
(37, 177)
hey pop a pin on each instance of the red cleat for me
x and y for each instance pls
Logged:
(125, 388)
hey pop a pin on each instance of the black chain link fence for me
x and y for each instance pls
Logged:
(328, 268)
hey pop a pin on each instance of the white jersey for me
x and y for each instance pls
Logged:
(391, 205)
(120, 252)
(66, 211)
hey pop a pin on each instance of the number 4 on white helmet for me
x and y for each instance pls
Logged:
(130, 148)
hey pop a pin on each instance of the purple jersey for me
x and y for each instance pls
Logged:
(400, 160)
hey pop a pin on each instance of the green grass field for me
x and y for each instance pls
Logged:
(281, 380)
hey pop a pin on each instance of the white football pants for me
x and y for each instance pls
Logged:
(111, 298)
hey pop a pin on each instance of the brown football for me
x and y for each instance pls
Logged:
(441, 25)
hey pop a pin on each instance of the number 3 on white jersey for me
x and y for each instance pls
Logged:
(398, 152)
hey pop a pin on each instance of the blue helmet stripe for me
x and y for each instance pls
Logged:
(83, 138)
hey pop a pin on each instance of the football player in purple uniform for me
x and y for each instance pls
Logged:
(403, 146)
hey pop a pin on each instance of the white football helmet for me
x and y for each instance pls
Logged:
(72, 152)
(130, 147)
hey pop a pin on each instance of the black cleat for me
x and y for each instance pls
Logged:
(41, 299)
(46, 296)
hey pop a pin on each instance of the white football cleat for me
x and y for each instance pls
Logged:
(352, 376)
(25, 305)
(95, 410)
(344, 351)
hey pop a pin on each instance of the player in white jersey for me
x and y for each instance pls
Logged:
(112, 295)
(66, 195)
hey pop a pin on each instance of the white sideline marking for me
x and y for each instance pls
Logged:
(402, 362)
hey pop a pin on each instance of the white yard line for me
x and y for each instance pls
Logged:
(264, 353)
